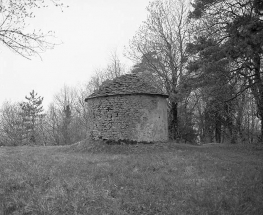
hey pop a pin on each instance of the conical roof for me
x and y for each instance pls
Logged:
(126, 85)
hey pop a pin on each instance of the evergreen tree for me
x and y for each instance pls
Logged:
(32, 113)
(229, 41)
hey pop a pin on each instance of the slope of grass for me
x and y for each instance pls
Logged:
(144, 179)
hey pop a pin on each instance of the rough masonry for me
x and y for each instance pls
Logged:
(128, 108)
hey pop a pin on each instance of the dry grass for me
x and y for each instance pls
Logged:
(88, 178)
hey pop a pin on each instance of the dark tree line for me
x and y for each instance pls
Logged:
(229, 48)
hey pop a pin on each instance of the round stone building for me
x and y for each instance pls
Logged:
(128, 108)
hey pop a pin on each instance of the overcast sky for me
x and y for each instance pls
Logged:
(90, 31)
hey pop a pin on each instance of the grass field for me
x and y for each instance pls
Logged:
(144, 179)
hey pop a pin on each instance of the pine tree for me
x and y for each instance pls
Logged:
(229, 37)
(32, 113)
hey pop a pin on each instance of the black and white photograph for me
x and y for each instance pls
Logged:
(131, 107)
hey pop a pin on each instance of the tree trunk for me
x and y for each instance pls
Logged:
(261, 127)
(232, 133)
(174, 124)
(257, 90)
(218, 129)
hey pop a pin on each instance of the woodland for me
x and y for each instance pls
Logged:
(207, 55)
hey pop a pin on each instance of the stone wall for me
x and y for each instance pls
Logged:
(133, 117)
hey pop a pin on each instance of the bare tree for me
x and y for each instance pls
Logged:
(68, 114)
(64, 106)
(14, 32)
(52, 128)
(115, 68)
(159, 47)
(11, 124)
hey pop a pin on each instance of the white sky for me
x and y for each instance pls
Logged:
(90, 31)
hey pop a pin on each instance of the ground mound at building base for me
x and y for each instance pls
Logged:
(120, 147)
(128, 147)
(107, 146)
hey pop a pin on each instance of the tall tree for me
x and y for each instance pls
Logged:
(53, 126)
(159, 47)
(14, 18)
(232, 31)
(32, 114)
(214, 82)
(64, 117)
(67, 118)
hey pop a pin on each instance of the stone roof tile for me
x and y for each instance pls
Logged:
(126, 85)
